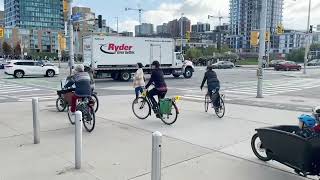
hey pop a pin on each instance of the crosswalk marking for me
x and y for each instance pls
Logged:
(18, 92)
(249, 89)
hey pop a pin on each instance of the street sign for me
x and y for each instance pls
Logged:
(76, 17)
(1, 32)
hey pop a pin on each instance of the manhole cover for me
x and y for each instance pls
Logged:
(296, 100)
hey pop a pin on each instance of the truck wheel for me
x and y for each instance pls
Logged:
(188, 73)
(125, 76)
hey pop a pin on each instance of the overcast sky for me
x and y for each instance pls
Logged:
(158, 12)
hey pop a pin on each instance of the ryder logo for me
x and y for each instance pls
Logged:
(112, 48)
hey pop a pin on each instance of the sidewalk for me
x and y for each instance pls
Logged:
(199, 146)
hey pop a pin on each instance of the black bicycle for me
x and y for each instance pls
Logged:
(85, 105)
(142, 106)
(220, 111)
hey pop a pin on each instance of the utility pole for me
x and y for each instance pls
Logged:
(71, 53)
(181, 32)
(262, 46)
(307, 42)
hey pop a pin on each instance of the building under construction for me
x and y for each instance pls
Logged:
(245, 17)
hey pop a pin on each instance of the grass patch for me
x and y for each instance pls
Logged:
(249, 61)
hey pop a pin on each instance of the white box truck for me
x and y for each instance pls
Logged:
(116, 56)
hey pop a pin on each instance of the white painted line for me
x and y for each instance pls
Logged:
(14, 89)
(26, 90)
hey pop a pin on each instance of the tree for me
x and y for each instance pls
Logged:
(315, 47)
(17, 50)
(193, 53)
(7, 49)
(296, 55)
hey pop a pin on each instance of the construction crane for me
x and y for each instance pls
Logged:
(217, 17)
(136, 9)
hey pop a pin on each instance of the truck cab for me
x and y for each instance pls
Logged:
(187, 66)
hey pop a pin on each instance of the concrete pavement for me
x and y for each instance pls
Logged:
(198, 146)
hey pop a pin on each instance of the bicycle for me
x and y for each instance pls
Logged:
(62, 102)
(88, 114)
(220, 111)
(145, 105)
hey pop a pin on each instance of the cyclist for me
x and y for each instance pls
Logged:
(160, 86)
(83, 89)
(213, 85)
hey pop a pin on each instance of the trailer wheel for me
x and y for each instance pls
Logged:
(188, 73)
(125, 76)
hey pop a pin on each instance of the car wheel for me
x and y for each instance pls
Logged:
(18, 74)
(50, 73)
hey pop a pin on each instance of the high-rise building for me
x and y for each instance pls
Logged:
(186, 26)
(162, 29)
(145, 29)
(87, 17)
(1, 18)
(173, 28)
(34, 14)
(245, 17)
(200, 27)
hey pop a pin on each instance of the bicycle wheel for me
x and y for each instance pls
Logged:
(141, 108)
(206, 102)
(221, 110)
(89, 119)
(70, 117)
(61, 104)
(96, 102)
(169, 119)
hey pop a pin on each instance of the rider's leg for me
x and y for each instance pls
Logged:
(153, 92)
(217, 98)
(74, 103)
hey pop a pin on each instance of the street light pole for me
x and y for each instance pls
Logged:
(307, 40)
(262, 46)
(181, 32)
(71, 48)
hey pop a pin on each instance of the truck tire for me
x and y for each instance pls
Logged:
(125, 76)
(188, 73)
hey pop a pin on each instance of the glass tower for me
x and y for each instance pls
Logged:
(34, 14)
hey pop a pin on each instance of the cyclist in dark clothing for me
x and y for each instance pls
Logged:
(213, 85)
(160, 86)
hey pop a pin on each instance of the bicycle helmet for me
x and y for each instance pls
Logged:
(307, 120)
(316, 113)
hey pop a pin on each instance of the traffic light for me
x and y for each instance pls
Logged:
(280, 29)
(100, 21)
(311, 29)
(254, 40)
(188, 36)
(1, 32)
(267, 36)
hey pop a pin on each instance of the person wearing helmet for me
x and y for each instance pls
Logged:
(160, 86)
(306, 125)
(213, 85)
(81, 80)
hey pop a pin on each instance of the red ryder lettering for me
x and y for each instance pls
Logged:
(123, 47)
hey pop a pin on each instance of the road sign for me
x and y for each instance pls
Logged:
(1, 32)
(76, 17)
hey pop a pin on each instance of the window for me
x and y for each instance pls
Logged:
(25, 63)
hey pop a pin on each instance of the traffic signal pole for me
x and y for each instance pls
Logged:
(71, 46)
(262, 47)
(307, 42)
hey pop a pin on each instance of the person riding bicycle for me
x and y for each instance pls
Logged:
(213, 85)
(81, 80)
(160, 86)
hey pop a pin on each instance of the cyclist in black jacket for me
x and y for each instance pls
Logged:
(160, 86)
(213, 85)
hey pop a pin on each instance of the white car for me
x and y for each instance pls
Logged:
(20, 68)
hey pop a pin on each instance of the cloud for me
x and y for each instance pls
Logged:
(127, 25)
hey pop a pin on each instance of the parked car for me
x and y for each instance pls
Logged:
(21, 68)
(287, 66)
(315, 62)
(223, 65)
(273, 63)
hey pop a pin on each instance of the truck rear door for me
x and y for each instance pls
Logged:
(155, 53)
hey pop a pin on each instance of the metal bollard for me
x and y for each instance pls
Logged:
(78, 139)
(36, 125)
(156, 156)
